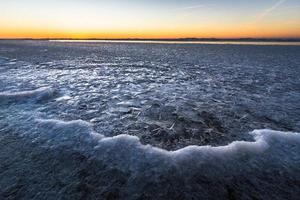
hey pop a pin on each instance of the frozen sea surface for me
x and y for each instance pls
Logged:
(149, 121)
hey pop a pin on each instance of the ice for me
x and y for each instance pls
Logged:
(270, 150)
(63, 98)
(139, 121)
(37, 95)
(207, 94)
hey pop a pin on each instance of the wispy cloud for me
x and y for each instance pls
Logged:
(189, 8)
(266, 12)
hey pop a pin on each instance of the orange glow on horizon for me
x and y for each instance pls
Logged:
(213, 32)
(148, 20)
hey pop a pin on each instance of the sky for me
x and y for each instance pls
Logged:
(149, 18)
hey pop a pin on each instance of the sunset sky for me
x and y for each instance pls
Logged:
(149, 18)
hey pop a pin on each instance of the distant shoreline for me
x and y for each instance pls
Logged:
(171, 40)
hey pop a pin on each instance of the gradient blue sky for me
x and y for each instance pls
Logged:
(149, 19)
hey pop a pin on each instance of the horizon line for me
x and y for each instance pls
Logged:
(168, 39)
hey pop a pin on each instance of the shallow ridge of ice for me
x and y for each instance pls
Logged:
(128, 153)
(133, 154)
(62, 133)
(37, 95)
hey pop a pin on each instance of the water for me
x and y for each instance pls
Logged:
(184, 121)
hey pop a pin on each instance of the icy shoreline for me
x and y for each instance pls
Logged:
(55, 164)
(192, 172)
(148, 121)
